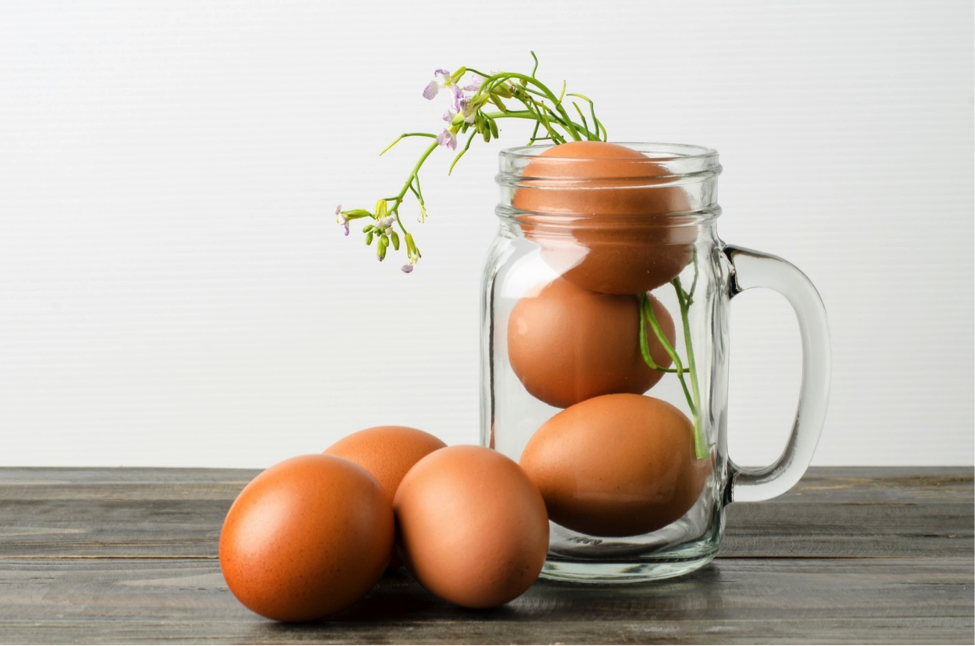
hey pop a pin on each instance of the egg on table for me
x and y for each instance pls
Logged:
(472, 526)
(306, 538)
(388, 453)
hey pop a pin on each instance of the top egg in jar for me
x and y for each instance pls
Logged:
(606, 217)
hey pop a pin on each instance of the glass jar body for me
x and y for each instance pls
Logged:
(635, 490)
(604, 346)
(516, 274)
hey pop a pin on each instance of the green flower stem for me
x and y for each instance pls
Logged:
(492, 81)
(683, 298)
(647, 312)
(404, 136)
(644, 346)
(692, 394)
(398, 200)
(463, 150)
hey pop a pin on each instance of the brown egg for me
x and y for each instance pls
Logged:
(472, 526)
(616, 465)
(568, 344)
(387, 452)
(604, 217)
(306, 538)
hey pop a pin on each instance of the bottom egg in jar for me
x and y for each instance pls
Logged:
(616, 465)
(472, 526)
(306, 538)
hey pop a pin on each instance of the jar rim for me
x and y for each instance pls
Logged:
(701, 157)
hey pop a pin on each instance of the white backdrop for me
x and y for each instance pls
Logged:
(174, 289)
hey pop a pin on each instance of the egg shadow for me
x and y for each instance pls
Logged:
(397, 600)
(399, 603)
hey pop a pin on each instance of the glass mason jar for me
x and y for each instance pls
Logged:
(605, 355)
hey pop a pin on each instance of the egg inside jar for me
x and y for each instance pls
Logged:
(597, 397)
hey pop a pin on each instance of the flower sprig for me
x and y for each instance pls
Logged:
(475, 110)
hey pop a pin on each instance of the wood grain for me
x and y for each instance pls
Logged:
(789, 600)
(178, 512)
(849, 556)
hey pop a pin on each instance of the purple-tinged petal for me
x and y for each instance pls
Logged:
(444, 73)
(469, 112)
(338, 209)
(448, 116)
(407, 268)
(346, 224)
(430, 91)
(474, 85)
(448, 139)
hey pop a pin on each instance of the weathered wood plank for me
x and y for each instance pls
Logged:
(784, 630)
(735, 601)
(178, 512)
(860, 555)
(834, 484)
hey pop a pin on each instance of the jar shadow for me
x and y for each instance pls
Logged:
(398, 602)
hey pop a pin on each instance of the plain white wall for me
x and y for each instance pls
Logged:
(174, 289)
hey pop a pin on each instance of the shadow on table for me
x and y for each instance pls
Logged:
(399, 601)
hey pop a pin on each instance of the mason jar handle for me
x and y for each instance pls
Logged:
(754, 269)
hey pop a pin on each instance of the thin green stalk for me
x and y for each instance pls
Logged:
(683, 298)
(692, 394)
(644, 346)
(404, 136)
(647, 308)
(398, 200)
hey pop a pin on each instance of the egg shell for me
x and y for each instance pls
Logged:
(567, 344)
(472, 526)
(306, 538)
(616, 465)
(606, 216)
(386, 452)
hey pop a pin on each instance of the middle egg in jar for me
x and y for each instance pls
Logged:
(567, 344)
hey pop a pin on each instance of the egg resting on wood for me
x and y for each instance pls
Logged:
(472, 526)
(306, 538)
(388, 453)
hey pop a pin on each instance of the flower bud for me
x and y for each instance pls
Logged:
(395, 238)
(456, 76)
(368, 238)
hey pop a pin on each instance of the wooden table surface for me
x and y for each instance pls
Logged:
(866, 555)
